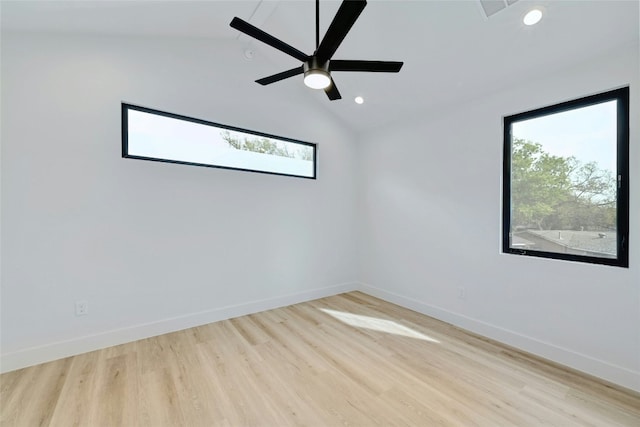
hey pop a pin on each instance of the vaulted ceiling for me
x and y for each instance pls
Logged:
(452, 52)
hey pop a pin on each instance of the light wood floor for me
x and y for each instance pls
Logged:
(350, 359)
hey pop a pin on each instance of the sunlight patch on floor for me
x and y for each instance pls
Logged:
(376, 324)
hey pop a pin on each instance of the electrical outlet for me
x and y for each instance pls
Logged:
(82, 308)
(462, 292)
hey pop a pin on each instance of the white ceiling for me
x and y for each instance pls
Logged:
(451, 51)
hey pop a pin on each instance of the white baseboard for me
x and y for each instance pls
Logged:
(58, 350)
(595, 367)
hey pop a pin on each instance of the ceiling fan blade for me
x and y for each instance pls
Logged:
(260, 35)
(343, 21)
(332, 91)
(280, 76)
(370, 66)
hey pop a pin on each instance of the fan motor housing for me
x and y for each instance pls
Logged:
(313, 64)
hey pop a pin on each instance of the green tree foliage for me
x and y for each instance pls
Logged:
(267, 146)
(552, 192)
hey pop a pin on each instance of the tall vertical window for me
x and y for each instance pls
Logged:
(156, 135)
(566, 180)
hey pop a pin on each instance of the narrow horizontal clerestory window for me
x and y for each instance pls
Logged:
(165, 137)
(566, 180)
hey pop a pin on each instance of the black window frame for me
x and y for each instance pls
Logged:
(125, 154)
(620, 95)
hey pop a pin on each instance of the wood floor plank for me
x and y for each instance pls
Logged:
(36, 394)
(349, 359)
(73, 407)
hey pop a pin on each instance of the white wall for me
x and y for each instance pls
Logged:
(431, 219)
(154, 247)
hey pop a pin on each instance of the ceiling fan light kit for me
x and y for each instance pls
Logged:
(315, 75)
(317, 68)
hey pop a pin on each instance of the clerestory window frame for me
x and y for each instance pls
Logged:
(280, 164)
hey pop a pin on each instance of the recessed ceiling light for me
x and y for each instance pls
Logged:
(532, 17)
(359, 100)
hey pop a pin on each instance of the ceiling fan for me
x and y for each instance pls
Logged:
(317, 68)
